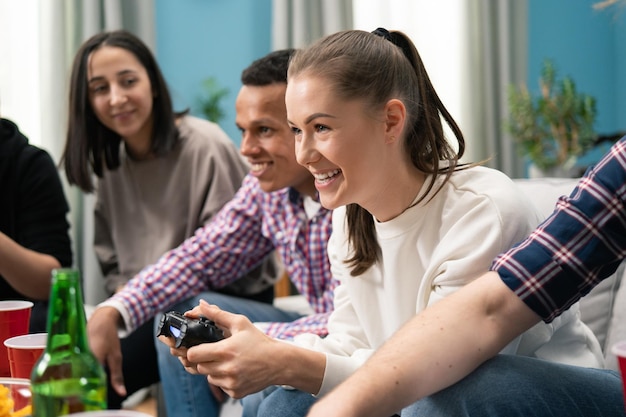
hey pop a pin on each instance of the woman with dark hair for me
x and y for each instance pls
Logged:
(93, 138)
(160, 175)
(411, 225)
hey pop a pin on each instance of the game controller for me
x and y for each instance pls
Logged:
(187, 331)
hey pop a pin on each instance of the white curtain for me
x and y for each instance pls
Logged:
(472, 51)
(497, 45)
(38, 40)
(296, 23)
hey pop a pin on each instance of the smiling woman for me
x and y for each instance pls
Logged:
(158, 175)
(405, 217)
(121, 95)
(117, 95)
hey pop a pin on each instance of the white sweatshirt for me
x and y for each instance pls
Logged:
(428, 252)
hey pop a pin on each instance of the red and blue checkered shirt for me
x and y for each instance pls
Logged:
(238, 238)
(580, 244)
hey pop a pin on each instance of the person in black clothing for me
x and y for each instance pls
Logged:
(34, 230)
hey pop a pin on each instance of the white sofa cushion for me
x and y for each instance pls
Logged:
(617, 325)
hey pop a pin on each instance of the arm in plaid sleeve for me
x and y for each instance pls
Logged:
(216, 255)
(314, 281)
(579, 245)
(314, 323)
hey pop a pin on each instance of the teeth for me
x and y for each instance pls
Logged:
(259, 167)
(326, 175)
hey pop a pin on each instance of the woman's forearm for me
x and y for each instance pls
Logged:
(433, 350)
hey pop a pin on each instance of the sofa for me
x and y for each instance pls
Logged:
(602, 309)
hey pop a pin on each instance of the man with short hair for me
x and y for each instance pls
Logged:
(275, 209)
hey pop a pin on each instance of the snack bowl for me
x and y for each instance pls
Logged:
(15, 397)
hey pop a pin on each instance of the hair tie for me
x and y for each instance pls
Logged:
(383, 33)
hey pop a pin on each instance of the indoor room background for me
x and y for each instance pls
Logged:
(198, 39)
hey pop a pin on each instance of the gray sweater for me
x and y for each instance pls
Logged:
(145, 208)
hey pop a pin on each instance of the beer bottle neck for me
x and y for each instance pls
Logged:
(66, 314)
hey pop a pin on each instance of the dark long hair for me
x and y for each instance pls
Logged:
(90, 145)
(375, 67)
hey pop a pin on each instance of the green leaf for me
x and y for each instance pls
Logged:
(210, 102)
(555, 126)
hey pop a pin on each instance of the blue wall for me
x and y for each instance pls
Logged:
(196, 39)
(619, 51)
(587, 45)
(219, 38)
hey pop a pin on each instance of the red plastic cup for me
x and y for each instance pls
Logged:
(23, 352)
(619, 350)
(14, 321)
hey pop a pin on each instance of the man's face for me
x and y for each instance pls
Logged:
(267, 140)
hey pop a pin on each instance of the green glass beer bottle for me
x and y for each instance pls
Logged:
(67, 378)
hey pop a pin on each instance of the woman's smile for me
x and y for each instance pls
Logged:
(326, 177)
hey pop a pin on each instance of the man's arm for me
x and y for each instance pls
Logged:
(316, 322)
(470, 326)
(215, 256)
(177, 275)
(104, 341)
(312, 323)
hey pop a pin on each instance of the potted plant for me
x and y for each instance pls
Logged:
(211, 101)
(553, 129)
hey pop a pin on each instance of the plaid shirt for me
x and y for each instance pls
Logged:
(238, 238)
(579, 245)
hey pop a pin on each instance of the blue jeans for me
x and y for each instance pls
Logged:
(504, 386)
(275, 401)
(188, 395)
